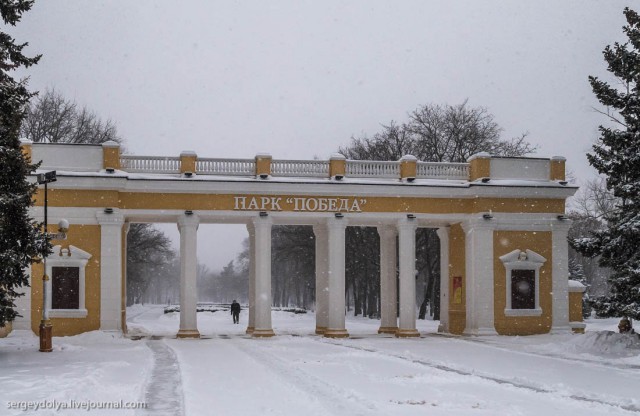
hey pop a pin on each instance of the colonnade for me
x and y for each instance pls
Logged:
(397, 274)
(330, 276)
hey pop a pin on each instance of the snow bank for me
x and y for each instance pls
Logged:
(94, 367)
(606, 343)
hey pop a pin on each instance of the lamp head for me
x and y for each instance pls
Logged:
(46, 177)
(63, 226)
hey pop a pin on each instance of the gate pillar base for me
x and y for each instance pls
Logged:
(188, 333)
(388, 330)
(262, 333)
(407, 333)
(336, 333)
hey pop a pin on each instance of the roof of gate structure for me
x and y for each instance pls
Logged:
(94, 161)
(100, 176)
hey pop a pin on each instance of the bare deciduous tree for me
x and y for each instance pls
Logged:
(439, 133)
(589, 208)
(149, 253)
(52, 118)
(435, 133)
(594, 199)
(394, 141)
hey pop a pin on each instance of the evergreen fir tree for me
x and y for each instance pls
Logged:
(616, 155)
(20, 237)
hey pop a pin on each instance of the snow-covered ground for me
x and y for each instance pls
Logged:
(300, 373)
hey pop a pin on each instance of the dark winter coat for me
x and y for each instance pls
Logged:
(235, 308)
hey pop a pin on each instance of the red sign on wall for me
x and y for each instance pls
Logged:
(457, 289)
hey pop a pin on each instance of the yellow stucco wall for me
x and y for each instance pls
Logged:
(503, 243)
(557, 170)
(408, 168)
(457, 311)
(337, 167)
(82, 199)
(575, 306)
(87, 238)
(132, 200)
(188, 163)
(479, 167)
(111, 157)
(26, 151)
(263, 165)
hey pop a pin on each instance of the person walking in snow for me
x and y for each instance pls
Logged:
(235, 311)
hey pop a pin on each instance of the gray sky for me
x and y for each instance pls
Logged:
(298, 78)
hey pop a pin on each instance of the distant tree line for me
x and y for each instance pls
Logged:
(434, 133)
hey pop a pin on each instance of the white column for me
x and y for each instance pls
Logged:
(336, 262)
(559, 276)
(123, 314)
(110, 270)
(188, 226)
(322, 281)
(388, 280)
(252, 278)
(407, 277)
(262, 317)
(443, 234)
(479, 279)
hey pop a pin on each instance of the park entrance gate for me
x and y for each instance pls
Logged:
(498, 219)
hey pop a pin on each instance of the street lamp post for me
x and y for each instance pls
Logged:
(45, 324)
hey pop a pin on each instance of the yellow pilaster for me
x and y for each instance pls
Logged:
(263, 165)
(557, 168)
(479, 166)
(337, 166)
(408, 167)
(188, 162)
(457, 287)
(25, 146)
(576, 292)
(111, 155)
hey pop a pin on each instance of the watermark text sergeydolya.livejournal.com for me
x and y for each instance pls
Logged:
(87, 405)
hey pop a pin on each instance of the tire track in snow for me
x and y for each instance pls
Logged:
(163, 392)
(337, 401)
(498, 380)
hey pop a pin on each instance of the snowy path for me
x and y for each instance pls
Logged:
(304, 375)
(369, 374)
(298, 373)
(334, 400)
(535, 372)
(220, 378)
(163, 391)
